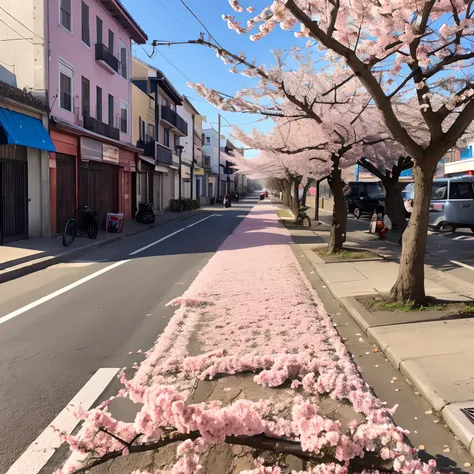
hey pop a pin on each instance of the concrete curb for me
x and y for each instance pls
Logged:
(41, 263)
(459, 423)
(356, 310)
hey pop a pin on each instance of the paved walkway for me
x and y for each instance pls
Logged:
(435, 353)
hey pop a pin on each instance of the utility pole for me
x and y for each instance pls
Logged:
(180, 153)
(192, 164)
(218, 156)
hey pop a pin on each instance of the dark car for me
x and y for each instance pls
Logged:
(362, 198)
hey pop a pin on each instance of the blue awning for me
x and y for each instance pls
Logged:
(21, 129)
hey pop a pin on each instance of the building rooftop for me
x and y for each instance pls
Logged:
(122, 15)
(22, 96)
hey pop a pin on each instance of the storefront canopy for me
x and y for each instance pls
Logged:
(20, 129)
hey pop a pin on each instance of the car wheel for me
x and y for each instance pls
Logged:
(356, 211)
(446, 228)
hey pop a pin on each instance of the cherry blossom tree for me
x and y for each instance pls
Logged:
(397, 49)
(343, 132)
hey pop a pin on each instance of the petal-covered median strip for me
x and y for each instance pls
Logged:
(253, 310)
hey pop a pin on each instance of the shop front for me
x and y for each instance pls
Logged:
(24, 183)
(87, 171)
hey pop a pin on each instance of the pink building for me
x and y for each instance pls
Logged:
(89, 93)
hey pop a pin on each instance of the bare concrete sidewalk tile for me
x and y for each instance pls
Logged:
(442, 379)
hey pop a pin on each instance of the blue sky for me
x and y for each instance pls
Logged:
(169, 20)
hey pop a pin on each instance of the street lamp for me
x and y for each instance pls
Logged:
(179, 150)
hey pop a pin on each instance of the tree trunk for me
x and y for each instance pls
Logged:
(339, 215)
(394, 206)
(295, 201)
(286, 193)
(410, 284)
(305, 191)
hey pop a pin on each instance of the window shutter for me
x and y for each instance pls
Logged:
(123, 60)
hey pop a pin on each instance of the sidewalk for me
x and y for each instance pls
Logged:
(434, 353)
(253, 346)
(27, 256)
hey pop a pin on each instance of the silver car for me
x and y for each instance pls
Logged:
(452, 204)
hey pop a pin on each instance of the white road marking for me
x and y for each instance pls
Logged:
(166, 237)
(156, 242)
(465, 265)
(42, 449)
(202, 220)
(67, 288)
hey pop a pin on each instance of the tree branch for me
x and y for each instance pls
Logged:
(260, 442)
(364, 74)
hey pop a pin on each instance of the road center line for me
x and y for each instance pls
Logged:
(59, 292)
(166, 237)
(42, 449)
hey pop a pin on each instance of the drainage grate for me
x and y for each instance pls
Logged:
(469, 412)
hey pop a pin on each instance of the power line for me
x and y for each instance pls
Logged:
(174, 16)
(202, 24)
(18, 21)
(193, 98)
(26, 39)
(179, 70)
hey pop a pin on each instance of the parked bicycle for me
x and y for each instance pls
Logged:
(88, 224)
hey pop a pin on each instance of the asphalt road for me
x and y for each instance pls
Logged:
(452, 252)
(49, 351)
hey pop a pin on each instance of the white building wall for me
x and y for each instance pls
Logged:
(22, 52)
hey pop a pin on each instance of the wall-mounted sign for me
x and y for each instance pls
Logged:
(198, 171)
(91, 149)
(110, 153)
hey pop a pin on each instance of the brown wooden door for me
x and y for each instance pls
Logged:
(65, 190)
(13, 200)
(98, 188)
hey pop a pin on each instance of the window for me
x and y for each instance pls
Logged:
(439, 190)
(65, 14)
(141, 129)
(65, 87)
(460, 190)
(100, 28)
(150, 132)
(123, 61)
(111, 110)
(86, 97)
(166, 140)
(208, 140)
(86, 37)
(99, 103)
(111, 41)
(123, 118)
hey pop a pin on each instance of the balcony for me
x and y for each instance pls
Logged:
(161, 154)
(106, 59)
(179, 125)
(101, 128)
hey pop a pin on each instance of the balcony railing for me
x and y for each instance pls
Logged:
(170, 116)
(106, 58)
(154, 150)
(101, 128)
